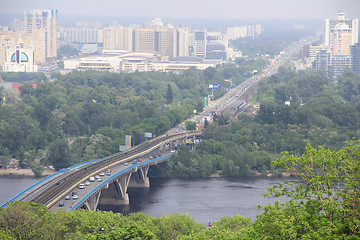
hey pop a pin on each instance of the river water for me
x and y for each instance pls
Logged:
(204, 199)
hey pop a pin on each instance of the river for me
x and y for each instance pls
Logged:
(204, 199)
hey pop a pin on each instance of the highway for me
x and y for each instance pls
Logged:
(234, 97)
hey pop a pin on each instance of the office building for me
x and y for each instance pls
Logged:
(332, 64)
(144, 39)
(310, 51)
(200, 43)
(340, 34)
(216, 50)
(43, 22)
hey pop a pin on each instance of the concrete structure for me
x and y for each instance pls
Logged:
(129, 62)
(200, 43)
(118, 38)
(340, 34)
(310, 51)
(334, 65)
(183, 63)
(355, 58)
(216, 50)
(124, 170)
(83, 35)
(167, 41)
(20, 59)
(43, 22)
(136, 61)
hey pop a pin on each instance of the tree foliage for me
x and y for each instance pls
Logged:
(324, 201)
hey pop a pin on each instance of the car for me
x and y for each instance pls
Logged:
(92, 179)
(134, 161)
(108, 172)
(126, 164)
(139, 160)
(75, 196)
(67, 197)
(102, 174)
(61, 204)
(81, 186)
(87, 183)
(73, 193)
(99, 179)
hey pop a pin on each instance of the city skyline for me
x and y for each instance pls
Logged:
(228, 9)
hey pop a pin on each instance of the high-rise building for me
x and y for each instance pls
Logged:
(355, 58)
(166, 41)
(144, 39)
(340, 34)
(182, 42)
(200, 43)
(43, 21)
(118, 38)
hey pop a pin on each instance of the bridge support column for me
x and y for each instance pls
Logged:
(140, 178)
(93, 202)
(116, 193)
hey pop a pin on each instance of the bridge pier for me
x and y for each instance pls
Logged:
(92, 203)
(140, 179)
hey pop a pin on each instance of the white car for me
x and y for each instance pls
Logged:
(92, 179)
(87, 183)
(81, 186)
(75, 196)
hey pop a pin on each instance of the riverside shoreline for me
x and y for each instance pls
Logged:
(24, 172)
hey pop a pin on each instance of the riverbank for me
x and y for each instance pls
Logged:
(24, 172)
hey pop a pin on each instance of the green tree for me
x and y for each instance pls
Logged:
(24, 220)
(190, 125)
(169, 95)
(323, 204)
(59, 154)
(37, 169)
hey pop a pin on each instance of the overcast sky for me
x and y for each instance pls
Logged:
(243, 9)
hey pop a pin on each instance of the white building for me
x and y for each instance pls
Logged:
(340, 34)
(20, 59)
(135, 61)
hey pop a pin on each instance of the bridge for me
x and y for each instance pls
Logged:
(123, 170)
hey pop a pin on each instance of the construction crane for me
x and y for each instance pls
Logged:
(3, 85)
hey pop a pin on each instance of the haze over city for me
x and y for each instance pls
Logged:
(233, 9)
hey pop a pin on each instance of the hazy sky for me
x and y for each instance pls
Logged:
(243, 9)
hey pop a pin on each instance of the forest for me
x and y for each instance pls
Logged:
(83, 116)
(320, 111)
(322, 203)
